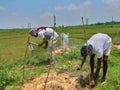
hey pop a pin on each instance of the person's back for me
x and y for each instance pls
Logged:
(100, 42)
(48, 33)
(53, 33)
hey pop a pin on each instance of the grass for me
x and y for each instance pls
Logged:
(12, 51)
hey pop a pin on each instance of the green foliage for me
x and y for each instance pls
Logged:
(116, 38)
(12, 51)
(8, 77)
(71, 55)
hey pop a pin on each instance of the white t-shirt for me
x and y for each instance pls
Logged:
(48, 30)
(100, 43)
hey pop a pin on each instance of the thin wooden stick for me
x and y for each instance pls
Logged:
(87, 45)
(24, 62)
(51, 57)
(84, 29)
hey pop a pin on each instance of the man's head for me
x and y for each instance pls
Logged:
(86, 50)
(33, 32)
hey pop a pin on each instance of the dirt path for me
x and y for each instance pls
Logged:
(58, 82)
(54, 82)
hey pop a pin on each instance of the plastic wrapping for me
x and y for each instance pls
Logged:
(30, 47)
(64, 41)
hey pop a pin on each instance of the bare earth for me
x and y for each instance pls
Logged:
(54, 82)
(117, 46)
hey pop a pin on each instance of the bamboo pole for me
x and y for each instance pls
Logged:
(51, 57)
(24, 62)
(84, 28)
(87, 45)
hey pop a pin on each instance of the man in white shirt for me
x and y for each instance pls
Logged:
(48, 35)
(99, 44)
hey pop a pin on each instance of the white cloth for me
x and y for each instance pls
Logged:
(54, 35)
(64, 41)
(101, 43)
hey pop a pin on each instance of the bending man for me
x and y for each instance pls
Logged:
(100, 45)
(48, 35)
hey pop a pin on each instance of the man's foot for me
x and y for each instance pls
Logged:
(92, 83)
(103, 81)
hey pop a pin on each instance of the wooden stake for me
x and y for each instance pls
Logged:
(84, 28)
(87, 45)
(24, 62)
(51, 57)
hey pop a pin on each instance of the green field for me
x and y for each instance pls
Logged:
(12, 56)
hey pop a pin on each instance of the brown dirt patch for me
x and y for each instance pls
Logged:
(117, 46)
(59, 51)
(57, 82)
(54, 82)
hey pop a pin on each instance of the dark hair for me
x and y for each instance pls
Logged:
(85, 50)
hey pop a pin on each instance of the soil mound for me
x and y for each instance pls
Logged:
(54, 82)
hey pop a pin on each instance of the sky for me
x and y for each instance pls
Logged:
(36, 13)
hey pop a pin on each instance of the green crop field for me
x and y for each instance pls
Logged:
(12, 56)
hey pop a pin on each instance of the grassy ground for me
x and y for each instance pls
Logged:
(12, 51)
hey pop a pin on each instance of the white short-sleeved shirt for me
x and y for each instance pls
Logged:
(48, 30)
(100, 43)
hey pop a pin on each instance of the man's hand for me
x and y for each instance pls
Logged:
(79, 67)
(44, 42)
(29, 43)
(45, 47)
(39, 45)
